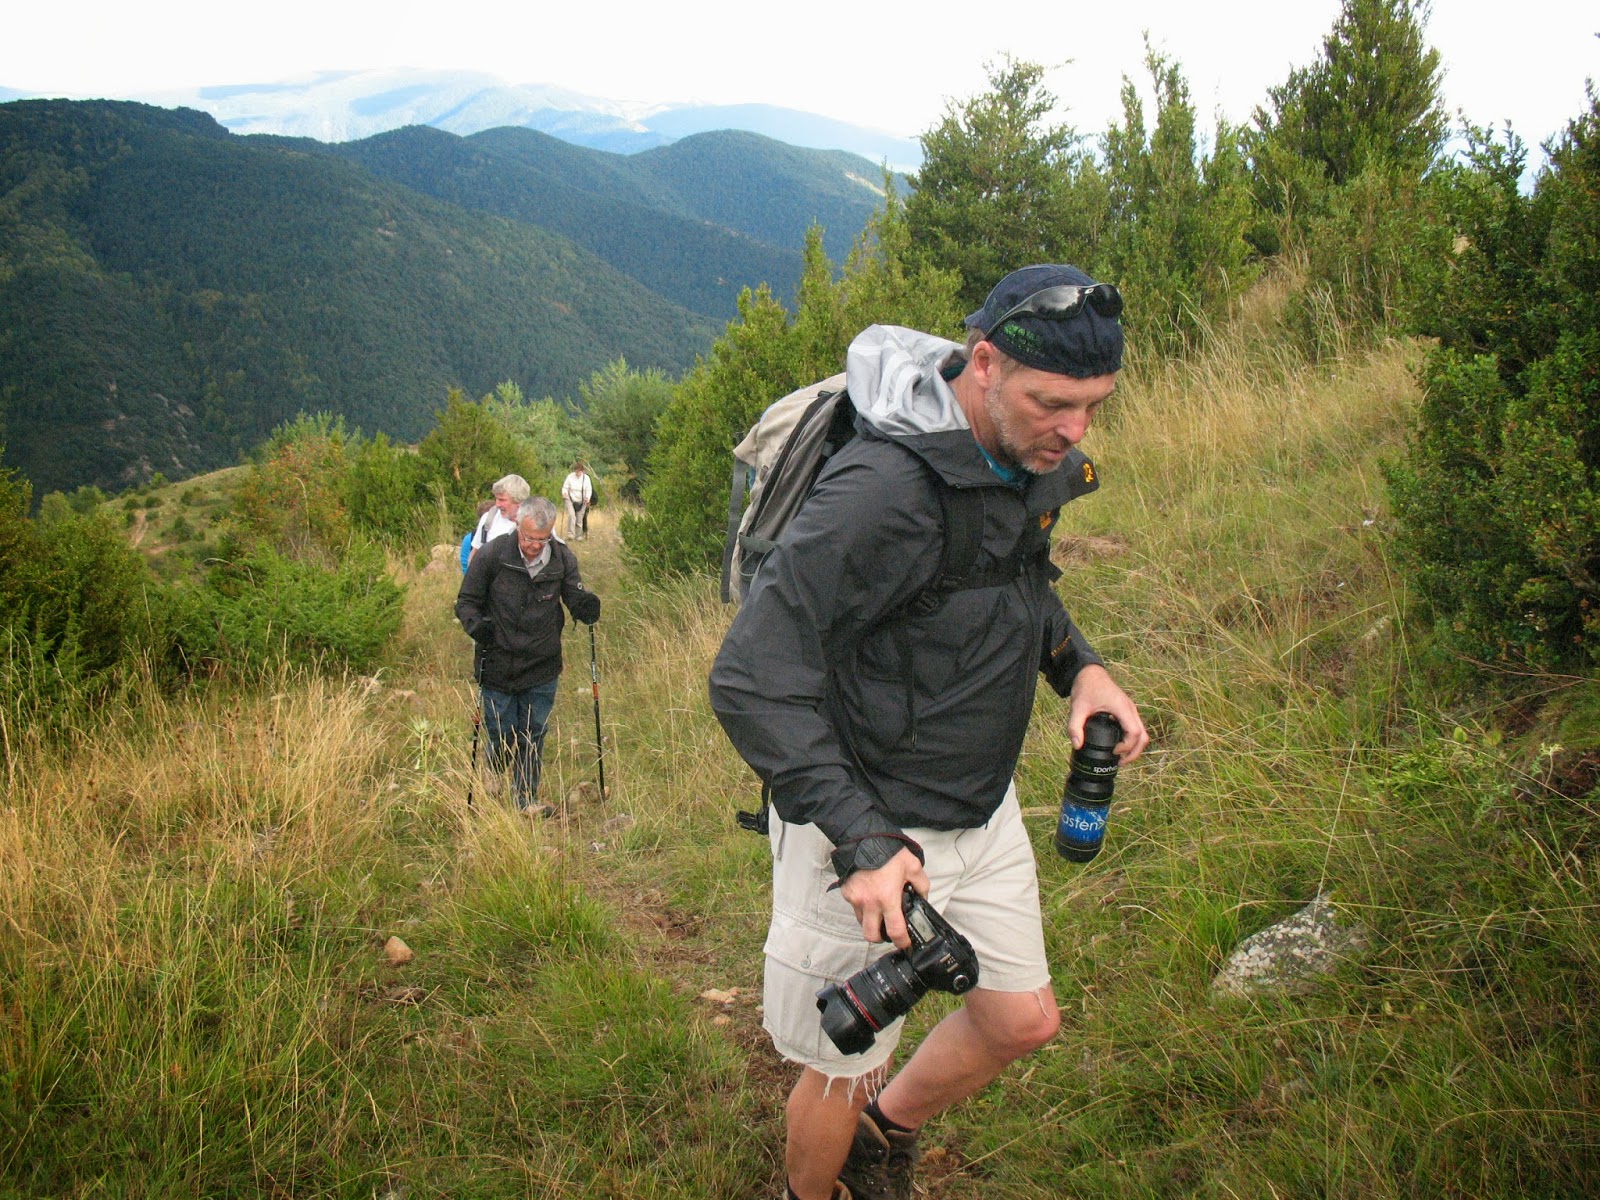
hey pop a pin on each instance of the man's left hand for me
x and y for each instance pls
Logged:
(1093, 690)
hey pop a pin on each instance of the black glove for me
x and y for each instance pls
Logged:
(585, 607)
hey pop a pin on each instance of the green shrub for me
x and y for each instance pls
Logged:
(292, 497)
(1498, 501)
(265, 608)
(80, 615)
(760, 357)
(386, 492)
(467, 451)
(752, 365)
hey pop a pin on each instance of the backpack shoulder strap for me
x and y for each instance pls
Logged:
(963, 511)
(738, 484)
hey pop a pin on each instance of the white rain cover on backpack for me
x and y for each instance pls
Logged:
(759, 452)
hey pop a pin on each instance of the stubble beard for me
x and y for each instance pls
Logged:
(1006, 437)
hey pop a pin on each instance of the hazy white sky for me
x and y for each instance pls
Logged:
(890, 64)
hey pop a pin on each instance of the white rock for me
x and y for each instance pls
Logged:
(1288, 956)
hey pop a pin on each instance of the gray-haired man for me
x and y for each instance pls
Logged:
(510, 604)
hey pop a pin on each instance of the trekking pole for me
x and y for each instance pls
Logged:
(599, 742)
(477, 721)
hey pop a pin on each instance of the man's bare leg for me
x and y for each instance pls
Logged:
(965, 1052)
(822, 1124)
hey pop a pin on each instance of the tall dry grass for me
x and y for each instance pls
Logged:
(195, 896)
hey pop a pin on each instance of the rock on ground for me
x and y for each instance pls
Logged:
(1289, 956)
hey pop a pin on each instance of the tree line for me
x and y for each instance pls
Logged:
(296, 568)
(1342, 193)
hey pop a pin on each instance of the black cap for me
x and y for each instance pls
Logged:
(1083, 346)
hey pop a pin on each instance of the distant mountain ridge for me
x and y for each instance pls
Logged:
(342, 106)
(696, 221)
(170, 291)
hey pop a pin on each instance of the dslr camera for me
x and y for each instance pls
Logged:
(939, 959)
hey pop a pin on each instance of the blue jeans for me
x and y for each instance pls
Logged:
(515, 723)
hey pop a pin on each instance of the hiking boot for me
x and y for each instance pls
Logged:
(881, 1163)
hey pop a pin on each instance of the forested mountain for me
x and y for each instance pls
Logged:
(765, 188)
(696, 220)
(169, 292)
(588, 196)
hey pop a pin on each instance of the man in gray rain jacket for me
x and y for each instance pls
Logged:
(888, 716)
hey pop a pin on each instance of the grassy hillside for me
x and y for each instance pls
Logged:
(169, 293)
(197, 897)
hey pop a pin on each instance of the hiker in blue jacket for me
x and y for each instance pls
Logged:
(888, 718)
(466, 539)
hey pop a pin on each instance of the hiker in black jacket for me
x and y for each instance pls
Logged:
(510, 604)
(887, 716)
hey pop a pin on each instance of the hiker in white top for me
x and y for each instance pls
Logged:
(508, 493)
(578, 491)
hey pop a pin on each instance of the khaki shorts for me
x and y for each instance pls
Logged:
(984, 882)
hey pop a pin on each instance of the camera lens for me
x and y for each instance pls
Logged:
(853, 1012)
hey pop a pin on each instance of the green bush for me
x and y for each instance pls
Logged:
(292, 497)
(265, 608)
(681, 528)
(759, 358)
(467, 451)
(621, 410)
(80, 615)
(385, 491)
(1498, 501)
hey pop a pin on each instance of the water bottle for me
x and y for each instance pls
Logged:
(1086, 800)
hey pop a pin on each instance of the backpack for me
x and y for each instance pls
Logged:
(791, 441)
(778, 462)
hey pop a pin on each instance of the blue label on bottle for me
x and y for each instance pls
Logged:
(1081, 824)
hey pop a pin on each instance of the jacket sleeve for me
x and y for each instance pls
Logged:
(472, 601)
(583, 604)
(1065, 650)
(866, 542)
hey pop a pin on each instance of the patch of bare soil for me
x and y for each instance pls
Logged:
(1069, 550)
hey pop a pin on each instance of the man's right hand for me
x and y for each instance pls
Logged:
(876, 897)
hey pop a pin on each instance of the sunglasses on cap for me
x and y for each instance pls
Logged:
(1065, 301)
